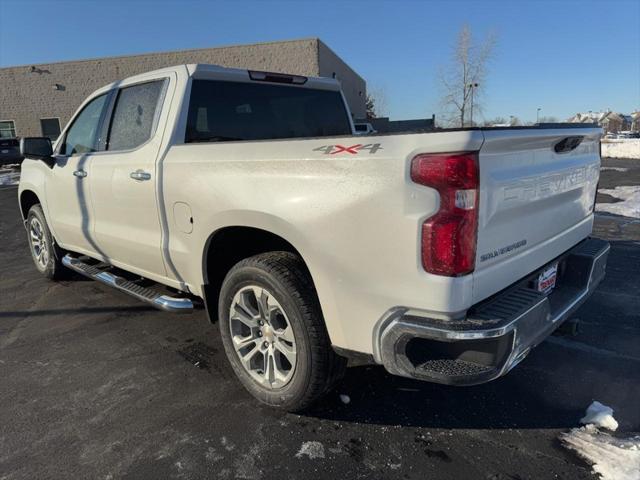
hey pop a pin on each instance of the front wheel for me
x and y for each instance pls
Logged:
(274, 334)
(46, 255)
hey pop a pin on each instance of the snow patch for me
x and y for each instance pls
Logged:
(615, 169)
(229, 446)
(212, 455)
(630, 205)
(345, 398)
(600, 415)
(312, 450)
(612, 458)
(9, 177)
(623, 148)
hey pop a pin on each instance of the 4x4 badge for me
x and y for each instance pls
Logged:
(352, 149)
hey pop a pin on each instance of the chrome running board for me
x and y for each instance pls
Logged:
(155, 299)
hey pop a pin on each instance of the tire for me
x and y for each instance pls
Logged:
(46, 254)
(294, 323)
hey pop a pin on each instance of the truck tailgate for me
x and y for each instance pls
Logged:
(537, 192)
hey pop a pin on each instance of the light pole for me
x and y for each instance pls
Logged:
(471, 87)
(538, 115)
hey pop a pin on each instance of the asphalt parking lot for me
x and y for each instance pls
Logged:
(97, 385)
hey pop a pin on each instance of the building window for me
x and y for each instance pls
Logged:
(50, 128)
(7, 129)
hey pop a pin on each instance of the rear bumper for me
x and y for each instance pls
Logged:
(497, 333)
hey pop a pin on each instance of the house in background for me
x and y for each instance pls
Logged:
(635, 121)
(610, 122)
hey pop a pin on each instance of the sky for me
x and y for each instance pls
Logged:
(560, 56)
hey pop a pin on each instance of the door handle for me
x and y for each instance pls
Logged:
(80, 173)
(140, 175)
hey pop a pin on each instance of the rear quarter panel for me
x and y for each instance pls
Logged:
(353, 217)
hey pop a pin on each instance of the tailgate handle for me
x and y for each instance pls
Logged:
(567, 144)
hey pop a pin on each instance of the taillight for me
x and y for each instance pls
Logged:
(449, 236)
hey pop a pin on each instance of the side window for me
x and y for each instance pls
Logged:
(82, 135)
(134, 115)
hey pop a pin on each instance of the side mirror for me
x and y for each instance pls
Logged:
(38, 148)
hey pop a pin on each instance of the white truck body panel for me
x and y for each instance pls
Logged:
(534, 202)
(354, 218)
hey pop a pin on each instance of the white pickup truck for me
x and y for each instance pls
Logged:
(443, 256)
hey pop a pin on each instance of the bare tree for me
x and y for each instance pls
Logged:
(370, 105)
(463, 80)
(550, 119)
(376, 103)
(495, 121)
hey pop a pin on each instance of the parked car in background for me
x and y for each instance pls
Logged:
(10, 151)
(445, 256)
(628, 134)
(364, 128)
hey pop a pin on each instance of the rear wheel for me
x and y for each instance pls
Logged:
(46, 255)
(274, 334)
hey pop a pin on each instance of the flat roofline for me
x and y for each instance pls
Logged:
(133, 55)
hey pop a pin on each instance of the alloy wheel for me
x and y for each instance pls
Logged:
(262, 336)
(39, 247)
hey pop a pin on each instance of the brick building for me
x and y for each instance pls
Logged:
(38, 100)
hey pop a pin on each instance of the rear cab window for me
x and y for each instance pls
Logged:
(227, 111)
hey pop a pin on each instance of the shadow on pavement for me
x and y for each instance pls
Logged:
(72, 311)
(382, 399)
